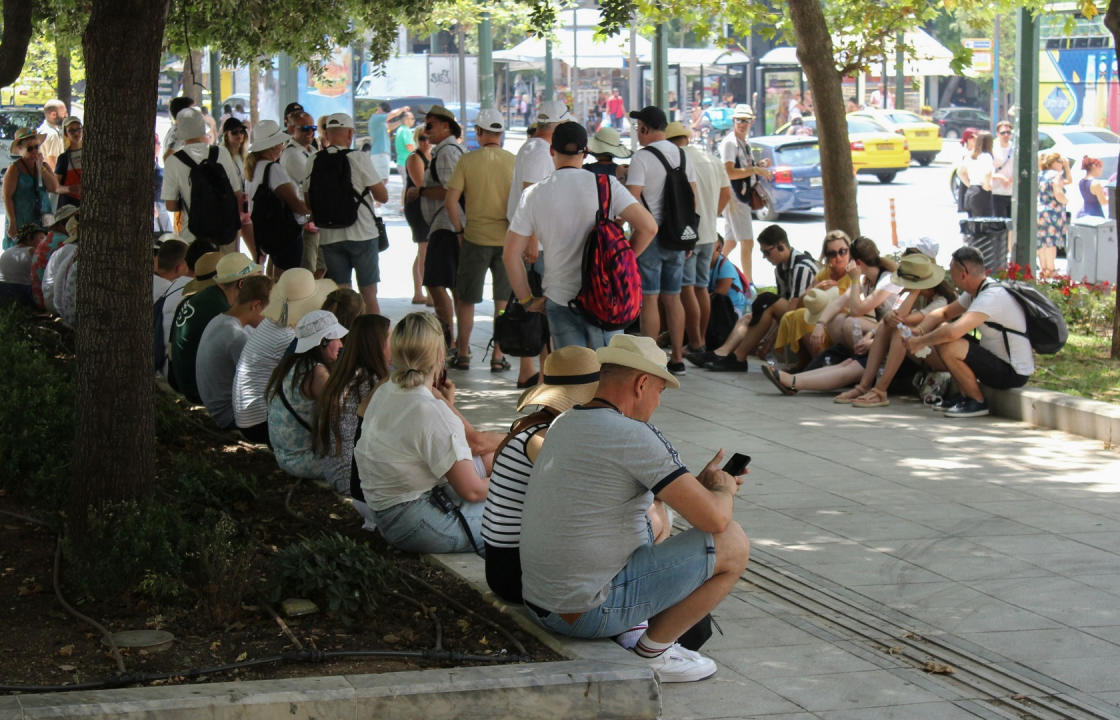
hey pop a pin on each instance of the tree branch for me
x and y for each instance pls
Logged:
(17, 35)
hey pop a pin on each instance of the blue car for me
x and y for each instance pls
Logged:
(796, 163)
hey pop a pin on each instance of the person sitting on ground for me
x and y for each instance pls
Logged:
(294, 389)
(220, 348)
(15, 265)
(726, 279)
(591, 570)
(346, 304)
(362, 365)
(999, 359)
(423, 469)
(41, 255)
(295, 294)
(794, 273)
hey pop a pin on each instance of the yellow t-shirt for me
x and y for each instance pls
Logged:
(793, 326)
(484, 177)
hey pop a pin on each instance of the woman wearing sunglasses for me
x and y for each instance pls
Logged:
(68, 167)
(26, 185)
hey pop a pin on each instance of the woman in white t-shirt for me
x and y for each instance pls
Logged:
(423, 469)
(264, 155)
(976, 175)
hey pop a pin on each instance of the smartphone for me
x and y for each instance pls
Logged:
(737, 464)
(442, 380)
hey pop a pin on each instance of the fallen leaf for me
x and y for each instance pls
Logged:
(241, 657)
(215, 645)
(390, 639)
(67, 668)
(940, 668)
(482, 640)
(913, 636)
(894, 650)
(66, 650)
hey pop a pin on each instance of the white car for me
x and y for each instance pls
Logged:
(1074, 142)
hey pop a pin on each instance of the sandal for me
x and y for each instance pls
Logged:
(528, 383)
(772, 375)
(871, 399)
(461, 362)
(499, 365)
(848, 396)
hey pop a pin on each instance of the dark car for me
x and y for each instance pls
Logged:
(12, 118)
(796, 163)
(953, 121)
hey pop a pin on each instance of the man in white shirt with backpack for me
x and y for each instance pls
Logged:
(661, 265)
(178, 191)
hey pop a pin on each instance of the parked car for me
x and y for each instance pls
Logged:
(363, 108)
(796, 163)
(954, 120)
(13, 118)
(924, 136)
(875, 150)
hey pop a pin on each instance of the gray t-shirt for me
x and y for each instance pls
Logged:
(216, 363)
(585, 508)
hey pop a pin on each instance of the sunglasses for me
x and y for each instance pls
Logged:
(1005, 132)
(74, 129)
(237, 131)
(742, 120)
(31, 148)
(832, 254)
(428, 126)
(308, 128)
(423, 138)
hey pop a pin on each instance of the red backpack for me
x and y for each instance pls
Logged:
(610, 296)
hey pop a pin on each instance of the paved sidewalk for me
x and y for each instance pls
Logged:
(887, 539)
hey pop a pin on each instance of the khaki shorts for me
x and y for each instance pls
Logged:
(474, 261)
(312, 253)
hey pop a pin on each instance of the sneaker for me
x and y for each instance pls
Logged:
(947, 402)
(967, 408)
(676, 368)
(726, 363)
(699, 357)
(680, 665)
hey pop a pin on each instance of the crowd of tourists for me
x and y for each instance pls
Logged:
(278, 346)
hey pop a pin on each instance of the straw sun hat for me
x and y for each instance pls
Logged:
(571, 376)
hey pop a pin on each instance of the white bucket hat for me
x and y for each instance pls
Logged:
(315, 327)
(266, 134)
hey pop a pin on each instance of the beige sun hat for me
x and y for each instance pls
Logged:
(570, 377)
(205, 270)
(25, 134)
(606, 141)
(742, 110)
(816, 300)
(918, 272)
(234, 267)
(640, 353)
(295, 294)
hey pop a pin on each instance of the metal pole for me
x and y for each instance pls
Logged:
(573, 86)
(886, 87)
(485, 63)
(660, 66)
(461, 41)
(995, 70)
(1026, 189)
(215, 85)
(634, 79)
(548, 83)
(900, 72)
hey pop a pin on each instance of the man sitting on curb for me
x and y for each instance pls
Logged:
(592, 570)
(998, 359)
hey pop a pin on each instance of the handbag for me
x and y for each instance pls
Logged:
(382, 236)
(519, 332)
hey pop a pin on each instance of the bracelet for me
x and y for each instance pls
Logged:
(526, 300)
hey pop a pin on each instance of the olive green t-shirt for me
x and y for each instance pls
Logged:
(191, 319)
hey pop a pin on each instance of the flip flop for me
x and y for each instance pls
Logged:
(873, 398)
(846, 397)
(772, 375)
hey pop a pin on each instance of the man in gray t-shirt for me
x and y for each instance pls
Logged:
(589, 565)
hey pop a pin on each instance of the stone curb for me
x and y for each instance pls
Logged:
(1059, 411)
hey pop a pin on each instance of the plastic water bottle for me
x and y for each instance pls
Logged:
(908, 333)
(857, 332)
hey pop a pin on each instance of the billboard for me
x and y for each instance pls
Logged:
(1078, 83)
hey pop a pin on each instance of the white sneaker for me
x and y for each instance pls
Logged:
(678, 664)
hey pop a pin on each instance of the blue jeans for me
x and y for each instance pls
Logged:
(655, 578)
(697, 267)
(569, 328)
(421, 527)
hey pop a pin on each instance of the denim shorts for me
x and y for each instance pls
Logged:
(661, 270)
(655, 578)
(698, 266)
(357, 256)
(568, 327)
(420, 527)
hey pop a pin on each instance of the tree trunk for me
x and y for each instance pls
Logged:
(254, 95)
(192, 76)
(814, 50)
(16, 36)
(63, 92)
(1112, 22)
(115, 420)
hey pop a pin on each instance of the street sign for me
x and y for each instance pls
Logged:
(981, 53)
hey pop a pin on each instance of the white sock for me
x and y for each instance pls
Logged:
(629, 638)
(649, 648)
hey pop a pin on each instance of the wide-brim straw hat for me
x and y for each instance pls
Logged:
(816, 300)
(205, 270)
(295, 294)
(640, 353)
(918, 272)
(570, 377)
(742, 110)
(25, 134)
(608, 142)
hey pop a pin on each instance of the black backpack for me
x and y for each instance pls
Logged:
(679, 221)
(274, 224)
(1046, 326)
(721, 321)
(331, 195)
(212, 212)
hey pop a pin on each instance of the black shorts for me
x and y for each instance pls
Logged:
(1001, 205)
(441, 264)
(989, 369)
(503, 572)
(416, 223)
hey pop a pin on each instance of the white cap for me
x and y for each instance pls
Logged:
(339, 120)
(553, 111)
(491, 120)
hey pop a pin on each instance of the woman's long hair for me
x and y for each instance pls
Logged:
(983, 144)
(362, 360)
(304, 364)
(866, 251)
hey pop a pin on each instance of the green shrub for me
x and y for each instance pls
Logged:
(337, 572)
(224, 560)
(36, 415)
(198, 481)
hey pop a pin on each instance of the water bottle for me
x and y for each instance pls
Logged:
(857, 332)
(907, 333)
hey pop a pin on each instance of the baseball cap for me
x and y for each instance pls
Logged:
(569, 138)
(291, 108)
(652, 116)
(490, 119)
(553, 111)
(339, 121)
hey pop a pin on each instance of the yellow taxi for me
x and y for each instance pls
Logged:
(875, 150)
(924, 136)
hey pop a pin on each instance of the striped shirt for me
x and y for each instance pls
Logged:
(795, 277)
(263, 351)
(501, 516)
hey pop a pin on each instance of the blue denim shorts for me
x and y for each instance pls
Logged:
(568, 327)
(419, 526)
(698, 266)
(357, 256)
(661, 270)
(655, 578)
